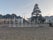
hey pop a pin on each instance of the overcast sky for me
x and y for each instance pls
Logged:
(25, 7)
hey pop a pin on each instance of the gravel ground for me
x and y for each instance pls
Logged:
(26, 33)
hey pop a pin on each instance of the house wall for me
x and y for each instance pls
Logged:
(49, 19)
(13, 20)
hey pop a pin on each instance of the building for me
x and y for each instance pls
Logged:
(49, 19)
(10, 19)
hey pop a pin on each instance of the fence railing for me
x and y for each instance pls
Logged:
(24, 25)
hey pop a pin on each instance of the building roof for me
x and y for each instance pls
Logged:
(10, 16)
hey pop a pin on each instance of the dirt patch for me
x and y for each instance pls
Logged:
(26, 33)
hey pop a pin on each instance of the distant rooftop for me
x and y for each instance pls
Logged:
(10, 16)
